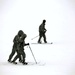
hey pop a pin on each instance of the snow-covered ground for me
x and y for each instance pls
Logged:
(58, 58)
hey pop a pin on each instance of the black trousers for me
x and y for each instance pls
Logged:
(41, 34)
(19, 54)
(14, 50)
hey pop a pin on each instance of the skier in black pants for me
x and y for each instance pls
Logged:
(42, 32)
(16, 43)
(21, 52)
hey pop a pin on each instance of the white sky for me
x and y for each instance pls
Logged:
(28, 15)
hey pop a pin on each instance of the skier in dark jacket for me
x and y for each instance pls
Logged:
(21, 52)
(42, 32)
(16, 43)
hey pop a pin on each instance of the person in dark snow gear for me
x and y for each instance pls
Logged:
(21, 52)
(42, 32)
(16, 43)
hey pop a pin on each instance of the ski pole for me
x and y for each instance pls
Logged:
(32, 54)
(35, 37)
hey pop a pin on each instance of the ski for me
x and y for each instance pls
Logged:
(42, 43)
(30, 64)
(38, 63)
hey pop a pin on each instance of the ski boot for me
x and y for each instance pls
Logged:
(39, 42)
(9, 61)
(14, 62)
(24, 63)
(45, 41)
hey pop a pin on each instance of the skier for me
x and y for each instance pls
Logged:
(42, 32)
(16, 43)
(21, 52)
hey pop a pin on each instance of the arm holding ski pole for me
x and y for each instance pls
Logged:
(26, 44)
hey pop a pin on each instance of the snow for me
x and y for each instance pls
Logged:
(59, 57)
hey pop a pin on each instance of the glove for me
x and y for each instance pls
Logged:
(45, 30)
(27, 43)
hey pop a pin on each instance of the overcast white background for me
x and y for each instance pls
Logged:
(27, 15)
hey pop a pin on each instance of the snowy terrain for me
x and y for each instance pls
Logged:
(55, 59)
